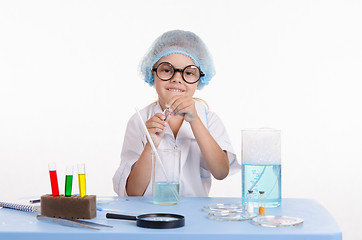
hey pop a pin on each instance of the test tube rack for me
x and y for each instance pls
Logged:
(73, 207)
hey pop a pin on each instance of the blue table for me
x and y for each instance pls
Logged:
(318, 223)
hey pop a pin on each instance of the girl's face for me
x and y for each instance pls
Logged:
(176, 85)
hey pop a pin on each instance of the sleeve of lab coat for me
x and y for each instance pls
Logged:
(133, 145)
(218, 131)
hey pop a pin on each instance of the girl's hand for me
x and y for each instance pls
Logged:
(156, 127)
(184, 106)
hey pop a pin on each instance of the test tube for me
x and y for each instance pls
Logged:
(249, 202)
(53, 179)
(261, 201)
(68, 181)
(81, 180)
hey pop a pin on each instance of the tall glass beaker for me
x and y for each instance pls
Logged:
(166, 178)
(261, 165)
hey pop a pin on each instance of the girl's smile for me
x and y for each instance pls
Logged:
(175, 89)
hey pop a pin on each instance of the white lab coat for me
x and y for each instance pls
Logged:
(195, 180)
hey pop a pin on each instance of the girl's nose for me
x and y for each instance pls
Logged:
(177, 77)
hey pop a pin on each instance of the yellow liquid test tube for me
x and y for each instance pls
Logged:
(81, 180)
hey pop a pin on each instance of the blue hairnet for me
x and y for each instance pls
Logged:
(182, 42)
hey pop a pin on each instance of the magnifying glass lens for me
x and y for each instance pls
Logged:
(161, 218)
(153, 220)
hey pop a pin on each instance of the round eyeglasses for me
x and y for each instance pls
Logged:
(190, 74)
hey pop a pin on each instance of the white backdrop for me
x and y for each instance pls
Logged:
(69, 83)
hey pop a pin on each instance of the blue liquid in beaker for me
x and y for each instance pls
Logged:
(164, 193)
(265, 178)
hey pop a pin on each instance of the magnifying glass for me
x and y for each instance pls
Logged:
(153, 220)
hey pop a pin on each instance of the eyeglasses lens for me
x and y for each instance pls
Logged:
(165, 71)
(191, 74)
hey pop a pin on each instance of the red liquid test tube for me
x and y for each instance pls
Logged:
(53, 179)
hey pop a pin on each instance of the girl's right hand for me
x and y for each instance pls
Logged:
(156, 126)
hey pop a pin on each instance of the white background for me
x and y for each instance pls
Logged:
(69, 83)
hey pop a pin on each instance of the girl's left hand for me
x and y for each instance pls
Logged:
(184, 106)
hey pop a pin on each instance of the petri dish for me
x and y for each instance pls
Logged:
(230, 216)
(277, 221)
(225, 208)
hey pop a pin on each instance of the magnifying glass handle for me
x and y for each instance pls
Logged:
(120, 216)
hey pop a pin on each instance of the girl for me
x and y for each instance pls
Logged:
(177, 64)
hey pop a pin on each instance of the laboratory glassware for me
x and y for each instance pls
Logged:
(261, 164)
(165, 187)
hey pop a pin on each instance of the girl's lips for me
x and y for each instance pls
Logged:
(175, 90)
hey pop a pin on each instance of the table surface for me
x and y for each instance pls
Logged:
(318, 222)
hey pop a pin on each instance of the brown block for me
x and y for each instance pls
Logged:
(68, 207)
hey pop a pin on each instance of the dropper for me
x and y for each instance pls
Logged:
(155, 152)
(167, 112)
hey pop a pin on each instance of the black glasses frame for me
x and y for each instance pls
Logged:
(178, 70)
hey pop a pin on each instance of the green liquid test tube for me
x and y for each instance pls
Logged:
(68, 181)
